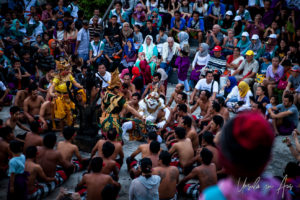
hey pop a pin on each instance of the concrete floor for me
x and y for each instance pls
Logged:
(280, 157)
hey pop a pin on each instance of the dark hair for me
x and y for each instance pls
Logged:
(109, 192)
(138, 26)
(182, 107)
(177, 12)
(138, 95)
(219, 121)
(216, 106)
(114, 16)
(15, 61)
(118, 2)
(196, 12)
(14, 109)
(68, 132)
(108, 149)
(207, 93)
(156, 74)
(181, 86)
(184, 96)
(292, 170)
(187, 120)
(149, 20)
(162, 29)
(125, 86)
(290, 97)
(34, 126)
(208, 72)
(208, 137)
(154, 147)
(165, 157)
(16, 146)
(31, 152)
(49, 140)
(96, 164)
(32, 87)
(152, 135)
(206, 156)
(146, 166)
(112, 134)
(180, 132)
(263, 88)
(5, 131)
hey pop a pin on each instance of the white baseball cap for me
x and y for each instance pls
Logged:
(246, 34)
(273, 36)
(237, 18)
(229, 12)
(255, 37)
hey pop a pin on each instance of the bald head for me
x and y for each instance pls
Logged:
(170, 41)
(216, 28)
(179, 88)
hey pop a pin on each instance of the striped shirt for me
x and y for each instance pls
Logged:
(215, 63)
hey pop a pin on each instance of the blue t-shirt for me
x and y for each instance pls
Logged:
(294, 117)
(16, 165)
(263, 68)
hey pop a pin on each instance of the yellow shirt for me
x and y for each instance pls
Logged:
(60, 83)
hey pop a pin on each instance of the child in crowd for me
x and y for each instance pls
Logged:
(137, 36)
(273, 103)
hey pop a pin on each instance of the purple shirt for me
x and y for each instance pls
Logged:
(253, 29)
(183, 64)
(268, 17)
(275, 77)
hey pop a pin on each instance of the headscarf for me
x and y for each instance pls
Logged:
(51, 49)
(126, 48)
(271, 46)
(128, 32)
(233, 83)
(148, 50)
(205, 48)
(14, 24)
(243, 45)
(255, 47)
(243, 88)
(140, 16)
(124, 71)
(184, 38)
(135, 73)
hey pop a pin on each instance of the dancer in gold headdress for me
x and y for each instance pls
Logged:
(112, 104)
(62, 104)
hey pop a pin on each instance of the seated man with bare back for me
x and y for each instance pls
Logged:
(96, 181)
(49, 158)
(203, 102)
(35, 190)
(178, 89)
(184, 148)
(186, 122)
(13, 121)
(109, 165)
(205, 173)
(46, 115)
(33, 137)
(169, 176)
(20, 97)
(32, 104)
(118, 154)
(67, 149)
(6, 135)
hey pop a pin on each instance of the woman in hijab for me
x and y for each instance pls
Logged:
(183, 39)
(231, 83)
(244, 43)
(243, 98)
(151, 53)
(17, 30)
(52, 46)
(129, 54)
(137, 80)
(126, 33)
(139, 15)
(255, 44)
(156, 18)
(200, 61)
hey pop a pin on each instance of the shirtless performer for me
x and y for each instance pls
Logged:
(127, 80)
(20, 97)
(155, 83)
(169, 176)
(111, 137)
(184, 149)
(6, 135)
(178, 89)
(32, 103)
(134, 103)
(206, 174)
(48, 158)
(67, 149)
(96, 181)
(33, 138)
(214, 126)
(186, 123)
(182, 99)
(109, 165)
(13, 121)
(125, 91)
(35, 171)
(223, 111)
(46, 116)
(203, 102)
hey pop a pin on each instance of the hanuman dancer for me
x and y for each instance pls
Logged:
(112, 104)
(62, 104)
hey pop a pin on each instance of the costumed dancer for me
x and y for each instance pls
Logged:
(62, 104)
(112, 104)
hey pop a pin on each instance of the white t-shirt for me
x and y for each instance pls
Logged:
(2, 86)
(203, 85)
(106, 78)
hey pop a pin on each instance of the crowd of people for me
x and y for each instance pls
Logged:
(56, 64)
